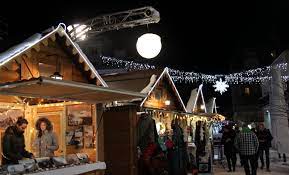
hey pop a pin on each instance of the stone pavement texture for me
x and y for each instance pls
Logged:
(240, 171)
(277, 166)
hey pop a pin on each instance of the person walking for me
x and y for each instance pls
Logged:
(265, 138)
(46, 141)
(247, 144)
(237, 131)
(229, 148)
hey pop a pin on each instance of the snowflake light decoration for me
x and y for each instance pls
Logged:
(221, 86)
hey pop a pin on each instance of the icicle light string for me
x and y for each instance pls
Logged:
(257, 75)
(125, 64)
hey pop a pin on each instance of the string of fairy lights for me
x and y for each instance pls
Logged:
(125, 64)
(252, 76)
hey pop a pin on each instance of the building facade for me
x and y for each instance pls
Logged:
(245, 96)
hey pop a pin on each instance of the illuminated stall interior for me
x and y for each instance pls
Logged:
(162, 99)
(164, 104)
(49, 76)
(200, 126)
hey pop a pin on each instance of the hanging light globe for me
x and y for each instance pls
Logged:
(149, 45)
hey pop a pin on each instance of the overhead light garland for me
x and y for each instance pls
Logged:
(252, 76)
(125, 64)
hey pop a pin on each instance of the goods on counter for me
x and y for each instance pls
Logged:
(72, 159)
(83, 157)
(16, 169)
(59, 161)
(44, 164)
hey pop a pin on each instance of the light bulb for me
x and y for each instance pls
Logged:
(149, 45)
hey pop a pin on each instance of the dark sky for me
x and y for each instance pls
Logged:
(202, 36)
(205, 36)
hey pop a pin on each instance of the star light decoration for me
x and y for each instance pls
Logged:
(221, 86)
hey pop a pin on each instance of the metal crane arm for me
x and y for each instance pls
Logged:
(114, 21)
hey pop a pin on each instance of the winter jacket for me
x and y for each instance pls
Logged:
(46, 144)
(264, 138)
(228, 142)
(14, 146)
(146, 130)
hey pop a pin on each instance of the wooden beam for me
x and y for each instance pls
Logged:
(45, 42)
(80, 60)
(61, 34)
(28, 53)
(29, 67)
(74, 51)
(11, 65)
(53, 38)
(86, 68)
(36, 47)
(92, 76)
(67, 42)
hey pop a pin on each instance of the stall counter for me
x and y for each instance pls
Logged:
(74, 170)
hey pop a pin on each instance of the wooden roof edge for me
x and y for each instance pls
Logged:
(25, 46)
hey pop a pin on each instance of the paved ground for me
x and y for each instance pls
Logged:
(240, 171)
(278, 167)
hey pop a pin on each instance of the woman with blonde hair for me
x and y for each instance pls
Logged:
(46, 141)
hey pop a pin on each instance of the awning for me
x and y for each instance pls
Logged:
(49, 88)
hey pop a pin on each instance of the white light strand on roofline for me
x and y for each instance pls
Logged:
(252, 76)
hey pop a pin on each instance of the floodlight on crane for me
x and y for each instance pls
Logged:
(148, 45)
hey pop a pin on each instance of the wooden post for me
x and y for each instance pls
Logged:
(99, 133)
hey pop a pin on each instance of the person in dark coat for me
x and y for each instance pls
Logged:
(265, 138)
(237, 131)
(178, 156)
(14, 143)
(229, 148)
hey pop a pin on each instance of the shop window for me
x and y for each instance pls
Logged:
(247, 91)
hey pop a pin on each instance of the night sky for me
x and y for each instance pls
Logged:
(202, 36)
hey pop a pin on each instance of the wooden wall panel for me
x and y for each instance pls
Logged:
(8, 76)
(29, 67)
(50, 109)
(77, 75)
(120, 140)
(71, 149)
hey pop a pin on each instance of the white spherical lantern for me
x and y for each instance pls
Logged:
(149, 45)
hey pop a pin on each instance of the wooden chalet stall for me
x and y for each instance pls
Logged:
(49, 76)
(201, 119)
(162, 102)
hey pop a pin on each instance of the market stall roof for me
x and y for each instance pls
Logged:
(132, 80)
(49, 88)
(211, 106)
(146, 82)
(37, 40)
(196, 94)
(166, 74)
